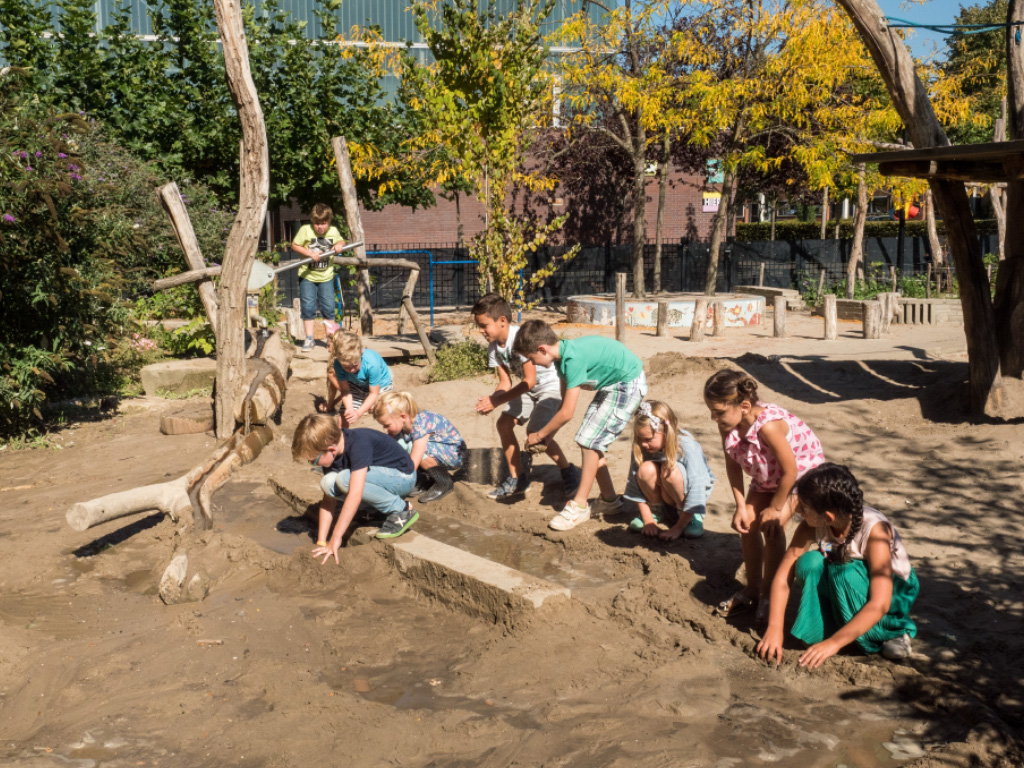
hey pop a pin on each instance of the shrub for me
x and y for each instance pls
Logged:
(459, 361)
(80, 230)
(798, 230)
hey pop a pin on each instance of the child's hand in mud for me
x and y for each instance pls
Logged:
(816, 655)
(770, 647)
(672, 533)
(651, 529)
(328, 550)
(351, 416)
(743, 518)
(484, 405)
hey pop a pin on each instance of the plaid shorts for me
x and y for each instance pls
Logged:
(610, 411)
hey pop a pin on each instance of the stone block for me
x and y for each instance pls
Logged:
(179, 376)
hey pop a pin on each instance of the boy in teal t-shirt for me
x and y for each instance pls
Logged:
(319, 241)
(590, 362)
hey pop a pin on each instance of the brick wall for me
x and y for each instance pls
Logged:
(396, 225)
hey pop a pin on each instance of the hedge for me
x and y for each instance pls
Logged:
(799, 230)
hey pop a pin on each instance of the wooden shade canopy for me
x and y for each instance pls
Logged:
(998, 161)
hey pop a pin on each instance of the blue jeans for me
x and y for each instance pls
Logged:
(313, 296)
(383, 491)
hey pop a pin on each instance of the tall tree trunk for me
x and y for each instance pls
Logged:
(824, 212)
(718, 232)
(1009, 301)
(910, 98)
(934, 244)
(243, 239)
(860, 217)
(775, 211)
(639, 211)
(998, 191)
(663, 167)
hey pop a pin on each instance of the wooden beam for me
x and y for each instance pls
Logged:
(957, 170)
(355, 225)
(170, 199)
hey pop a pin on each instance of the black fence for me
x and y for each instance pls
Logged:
(448, 276)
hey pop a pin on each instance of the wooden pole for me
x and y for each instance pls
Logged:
(831, 318)
(719, 319)
(410, 310)
(780, 317)
(662, 328)
(872, 320)
(700, 320)
(928, 283)
(170, 198)
(760, 276)
(892, 278)
(620, 306)
(355, 226)
(821, 287)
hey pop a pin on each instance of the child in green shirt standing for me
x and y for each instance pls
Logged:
(589, 362)
(319, 240)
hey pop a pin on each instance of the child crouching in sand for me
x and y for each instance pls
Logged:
(437, 447)
(362, 467)
(669, 470)
(858, 583)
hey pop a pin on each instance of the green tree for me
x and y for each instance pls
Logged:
(976, 63)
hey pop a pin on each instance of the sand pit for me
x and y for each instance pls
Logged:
(288, 663)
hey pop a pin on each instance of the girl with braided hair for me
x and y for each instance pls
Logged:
(774, 448)
(858, 584)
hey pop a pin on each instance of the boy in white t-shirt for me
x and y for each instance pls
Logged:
(533, 401)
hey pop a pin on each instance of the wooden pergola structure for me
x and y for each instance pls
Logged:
(991, 163)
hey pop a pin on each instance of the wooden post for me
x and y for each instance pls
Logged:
(988, 271)
(700, 320)
(295, 329)
(355, 226)
(892, 277)
(170, 198)
(928, 283)
(872, 320)
(821, 287)
(662, 319)
(780, 317)
(831, 318)
(760, 276)
(719, 308)
(410, 310)
(620, 306)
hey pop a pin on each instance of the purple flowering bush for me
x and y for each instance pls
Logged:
(82, 236)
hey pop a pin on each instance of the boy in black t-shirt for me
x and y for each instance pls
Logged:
(361, 466)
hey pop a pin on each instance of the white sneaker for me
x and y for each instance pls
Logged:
(608, 506)
(308, 344)
(571, 516)
(896, 649)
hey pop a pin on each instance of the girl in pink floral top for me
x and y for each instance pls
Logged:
(774, 448)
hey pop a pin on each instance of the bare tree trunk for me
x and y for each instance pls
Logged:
(662, 188)
(639, 211)
(775, 211)
(934, 244)
(910, 98)
(243, 240)
(824, 212)
(1009, 300)
(718, 232)
(998, 191)
(860, 218)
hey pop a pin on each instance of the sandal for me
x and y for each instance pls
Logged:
(738, 603)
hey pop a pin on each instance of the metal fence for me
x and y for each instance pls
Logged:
(449, 277)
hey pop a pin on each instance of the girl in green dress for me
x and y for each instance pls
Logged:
(858, 584)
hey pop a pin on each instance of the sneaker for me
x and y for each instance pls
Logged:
(398, 523)
(571, 516)
(896, 649)
(308, 344)
(695, 528)
(571, 481)
(637, 523)
(608, 506)
(511, 487)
